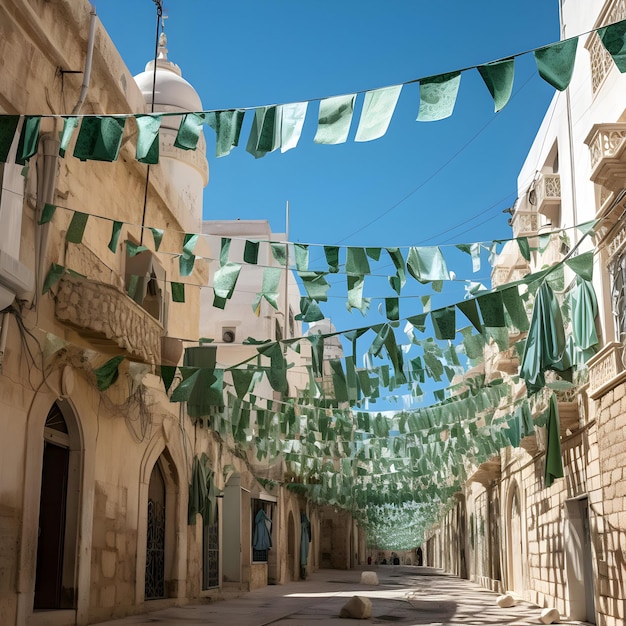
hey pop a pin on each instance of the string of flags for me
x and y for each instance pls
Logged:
(280, 126)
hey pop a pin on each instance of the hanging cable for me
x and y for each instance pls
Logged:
(159, 16)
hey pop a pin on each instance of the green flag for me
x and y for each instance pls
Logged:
(498, 77)
(29, 139)
(147, 150)
(613, 38)
(335, 116)
(227, 127)
(555, 63)
(438, 96)
(99, 138)
(378, 108)
(189, 131)
(8, 126)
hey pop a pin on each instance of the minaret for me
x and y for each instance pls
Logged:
(187, 171)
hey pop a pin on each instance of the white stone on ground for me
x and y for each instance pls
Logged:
(550, 616)
(357, 607)
(505, 601)
(369, 578)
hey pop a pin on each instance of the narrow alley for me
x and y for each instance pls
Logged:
(405, 595)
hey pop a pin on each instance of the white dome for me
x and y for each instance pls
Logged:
(171, 89)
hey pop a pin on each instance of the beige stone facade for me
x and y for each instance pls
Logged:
(81, 469)
(562, 546)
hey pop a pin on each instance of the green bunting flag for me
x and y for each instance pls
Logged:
(76, 229)
(224, 250)
(224, 282)
(29, 139)
(582, 265)
(335, 116)
(378, 108)
(514, 306)
(189, 131)
(265, 133)
(47, 213)
(392, 309)
(8, 126)
(279, 252)
(492, 309)
(613, 38)
(99, 138)
(108, 373)
(555, 63)
(355, 292)
(438, 96)
(444, 322)
(187, 259)
(69, 126)
(227, 126)
(356, 261)
(332, 258)
(292, 120)
(309, 311)
(115, 236)
(157, 236)
(178, 292)
(427, 264)
(54, 273)
(498, 77)
(302, 256)
(147, 150)
(183, 391)
(554, 461)
(584, 313)
(545, 344)
(315, 285)
(251, 252)
(399, 280)
(269, 288)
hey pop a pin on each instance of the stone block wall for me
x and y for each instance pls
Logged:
(114, 552)
(611, 550)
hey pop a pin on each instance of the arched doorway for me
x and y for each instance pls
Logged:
(155, 536)
(59, 509)
(161, 530)
(291, 547)
(515, 552)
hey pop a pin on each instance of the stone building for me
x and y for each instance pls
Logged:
(95, 515)
(561, 545)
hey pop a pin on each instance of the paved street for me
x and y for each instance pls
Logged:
(405, 595)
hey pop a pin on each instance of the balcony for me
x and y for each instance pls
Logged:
(608, 159)
(606, 370)
(548, 196)
(111, 321)
(524, 223)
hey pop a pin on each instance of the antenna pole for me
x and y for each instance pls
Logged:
(286, 321)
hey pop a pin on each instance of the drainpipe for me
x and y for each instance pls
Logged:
(4, 331)
(87, 72)
(45, 194)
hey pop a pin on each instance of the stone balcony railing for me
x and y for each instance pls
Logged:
(548, 195)
(608, 158)
(606, 370)
(109, 319)
(601, 61)
(524, 223)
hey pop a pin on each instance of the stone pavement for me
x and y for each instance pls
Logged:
(405, 595)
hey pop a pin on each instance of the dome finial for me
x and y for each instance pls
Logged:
(162, 53)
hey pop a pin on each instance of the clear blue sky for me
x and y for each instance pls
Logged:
(422, 183)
